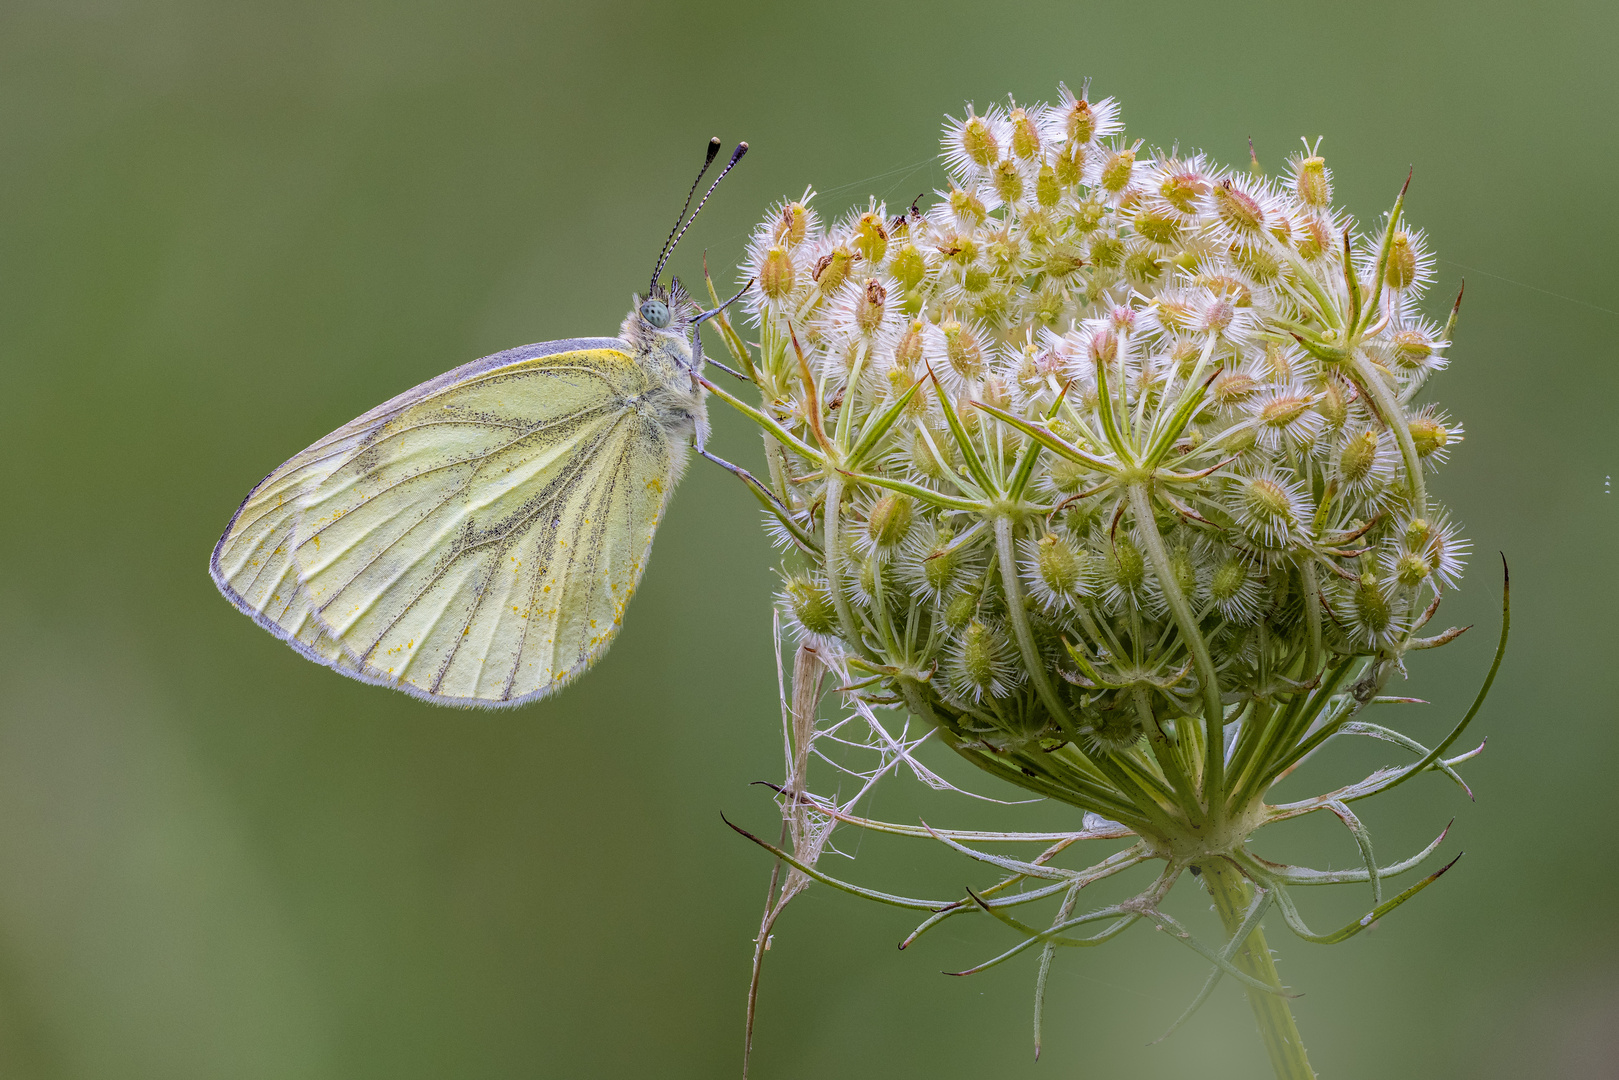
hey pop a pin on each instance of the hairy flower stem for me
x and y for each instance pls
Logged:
(1232, 898)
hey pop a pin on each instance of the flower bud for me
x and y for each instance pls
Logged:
(776, 274)
(925, 461)
(1310, 183)
(908, 352)
(1157, 226)
(811, 605)
(1356, 460)
(1142, 268)
(868, 310)
(790, 227)
(1429, 435)
(1025, 135)
(1115, 726)
(1183, 569)
(1372, 610)
(961, 350)
(1314, 239)
(1232, 588)
(1128, 565)
(1080, 123)
(889, 521)
(1402, 268)
(1008, 181)
(959, 612)
(832, 268)
(978, 141)
(981, 666)
(940, 563)
(871, 237)
(1059, 565)
(1236, 208)
(1232, 387)
(1259, 263)
(1411, 348)
(1071, 165)
(908, 266)
(1411, 569)
(1333, 404)
(1107, 251)
(967, 206)
(1047, 190)
(1117, 171)
(1182, 190)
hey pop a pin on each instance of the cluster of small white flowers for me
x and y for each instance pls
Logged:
(1077, 318)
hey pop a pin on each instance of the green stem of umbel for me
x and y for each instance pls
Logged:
(1232, 898)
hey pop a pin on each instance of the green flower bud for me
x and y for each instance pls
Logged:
(961, 350)
(1071, 165)
(908, 353)
(1060, 565)
(1047, 189)
(1228, 579)
(967, 206)
(959, 612)
(1158, 227)
(1117, 171)
(924, 460)
(1107, 251)
(1008, 181)
(889, 521)
(978, 141)
(832, 269)
(1402, 268)
(868, 310)
(1411, 569)
(1182, 190)
(1080, 123)
(1310, 182)
(811, 605)
(1128, 565)
(1237, 209)
(776, 274)
(1025, 135)
(908, 266)
(1356, 460)
(1142, 268)
(1428, 434)
(1411, 348)
(1333, 405)
(1115, 727)
(791, 225)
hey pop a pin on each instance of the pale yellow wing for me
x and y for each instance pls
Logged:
(473, 541)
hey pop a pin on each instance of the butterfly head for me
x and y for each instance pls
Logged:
(663, 316)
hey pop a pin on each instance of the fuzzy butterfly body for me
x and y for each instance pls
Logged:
(475, 540)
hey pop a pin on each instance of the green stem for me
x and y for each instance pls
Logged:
(1232, 898)
(1214, 712)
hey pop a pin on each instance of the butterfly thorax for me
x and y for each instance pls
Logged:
(673, 397)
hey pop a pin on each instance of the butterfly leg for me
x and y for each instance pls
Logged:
(697, 358)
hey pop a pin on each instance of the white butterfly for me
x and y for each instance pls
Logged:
(475, 540)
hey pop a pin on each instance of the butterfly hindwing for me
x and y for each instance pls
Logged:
(473, 541)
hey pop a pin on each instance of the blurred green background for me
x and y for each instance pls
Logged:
(227, 228)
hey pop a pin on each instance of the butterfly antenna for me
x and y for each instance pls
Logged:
(663, 254)
(669, 249)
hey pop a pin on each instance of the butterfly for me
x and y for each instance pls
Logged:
(475, 540)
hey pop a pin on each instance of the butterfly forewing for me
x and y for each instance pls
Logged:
(473, 541)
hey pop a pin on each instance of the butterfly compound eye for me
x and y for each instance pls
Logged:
(656, 312)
